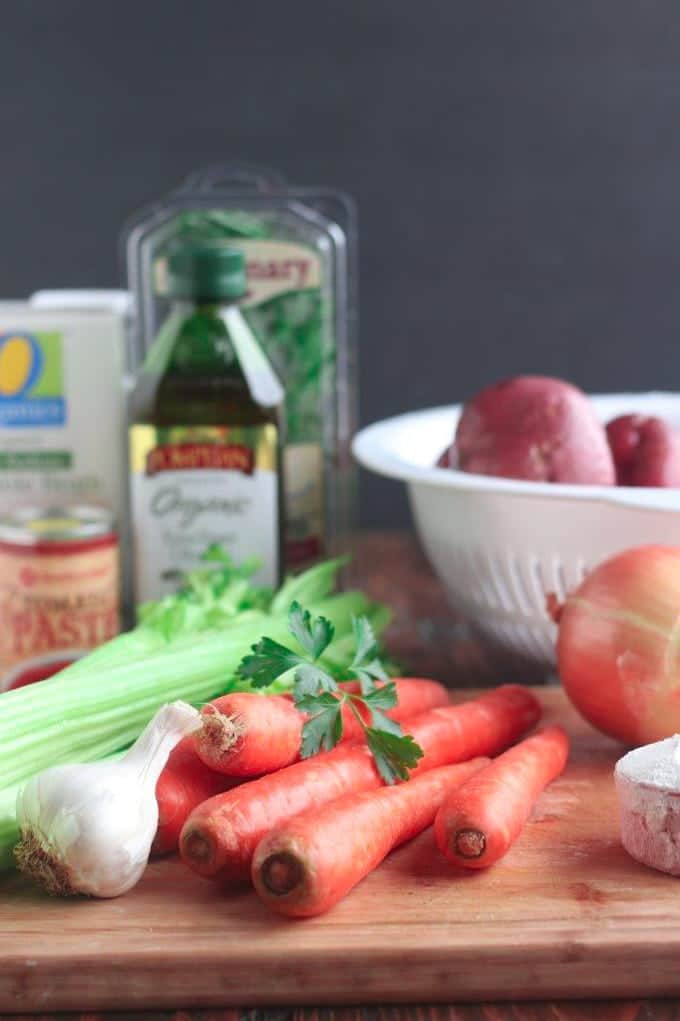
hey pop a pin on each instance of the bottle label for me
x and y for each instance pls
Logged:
(285, 308)
(192, 486)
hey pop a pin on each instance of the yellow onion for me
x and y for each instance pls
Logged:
(618, 648)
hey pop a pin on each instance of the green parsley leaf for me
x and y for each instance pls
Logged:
(375, 670)
(368, 675)
(267, 662)
(382, 722)
(384, 697)
(310, 681)
(317, 693)
(313, 634)
(393, 755)
(365, 641)
(365, 666)
(324, 728)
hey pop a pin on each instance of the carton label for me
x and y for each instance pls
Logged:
(278, 267)
(31, 380)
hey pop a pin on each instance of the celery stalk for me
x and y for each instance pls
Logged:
(9, 830)
(65, 716)
(312, 585)
(187, 646)
(309, 587)
(143, 641)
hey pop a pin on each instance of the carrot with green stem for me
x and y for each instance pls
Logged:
(415, 695)
(247, 735)
(324, 701)
(305, 866)
(479, 822)
(367, 704)
(220, 836)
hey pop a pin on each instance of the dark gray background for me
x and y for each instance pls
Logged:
(516, 166)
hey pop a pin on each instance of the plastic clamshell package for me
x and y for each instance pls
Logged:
(300, 246)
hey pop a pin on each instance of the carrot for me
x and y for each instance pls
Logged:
(415, 695)
(485, 725)
(220, 836)
(479, 822)
(305, 866)
(246, 735)
(184, 783)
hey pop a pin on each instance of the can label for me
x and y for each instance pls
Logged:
(194, 486)
(55, 605)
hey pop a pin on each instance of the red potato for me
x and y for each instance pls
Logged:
(646, 451)
(534, 428)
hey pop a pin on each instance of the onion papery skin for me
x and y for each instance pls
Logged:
(618, 648)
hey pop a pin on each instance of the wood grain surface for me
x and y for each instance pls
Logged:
(566, 911)
(584, 1010)
(427, 637)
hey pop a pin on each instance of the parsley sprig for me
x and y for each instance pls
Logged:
(317, 693)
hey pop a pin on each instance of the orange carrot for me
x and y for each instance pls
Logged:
(415, 695)
(305, 866)
(245, 734)
(220, 836)
(248, 735)
(184, 783)
(479, 821)
(485, 725)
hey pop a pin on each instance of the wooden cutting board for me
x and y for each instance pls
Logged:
(566, 914)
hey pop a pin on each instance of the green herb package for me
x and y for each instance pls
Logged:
(299, 246)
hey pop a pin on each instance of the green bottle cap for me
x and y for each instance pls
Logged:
(206, 272)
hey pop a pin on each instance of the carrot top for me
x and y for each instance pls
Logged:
(317, 692)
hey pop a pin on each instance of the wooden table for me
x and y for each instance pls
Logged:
(425, 636)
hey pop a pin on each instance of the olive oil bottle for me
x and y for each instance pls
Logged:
(206, 430)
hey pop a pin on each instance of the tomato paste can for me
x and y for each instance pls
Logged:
(59, 589)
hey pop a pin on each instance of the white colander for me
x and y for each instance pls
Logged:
(501, 546)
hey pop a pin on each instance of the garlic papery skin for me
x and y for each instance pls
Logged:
(88, 828)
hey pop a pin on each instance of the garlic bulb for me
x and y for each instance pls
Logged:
(88, 828)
